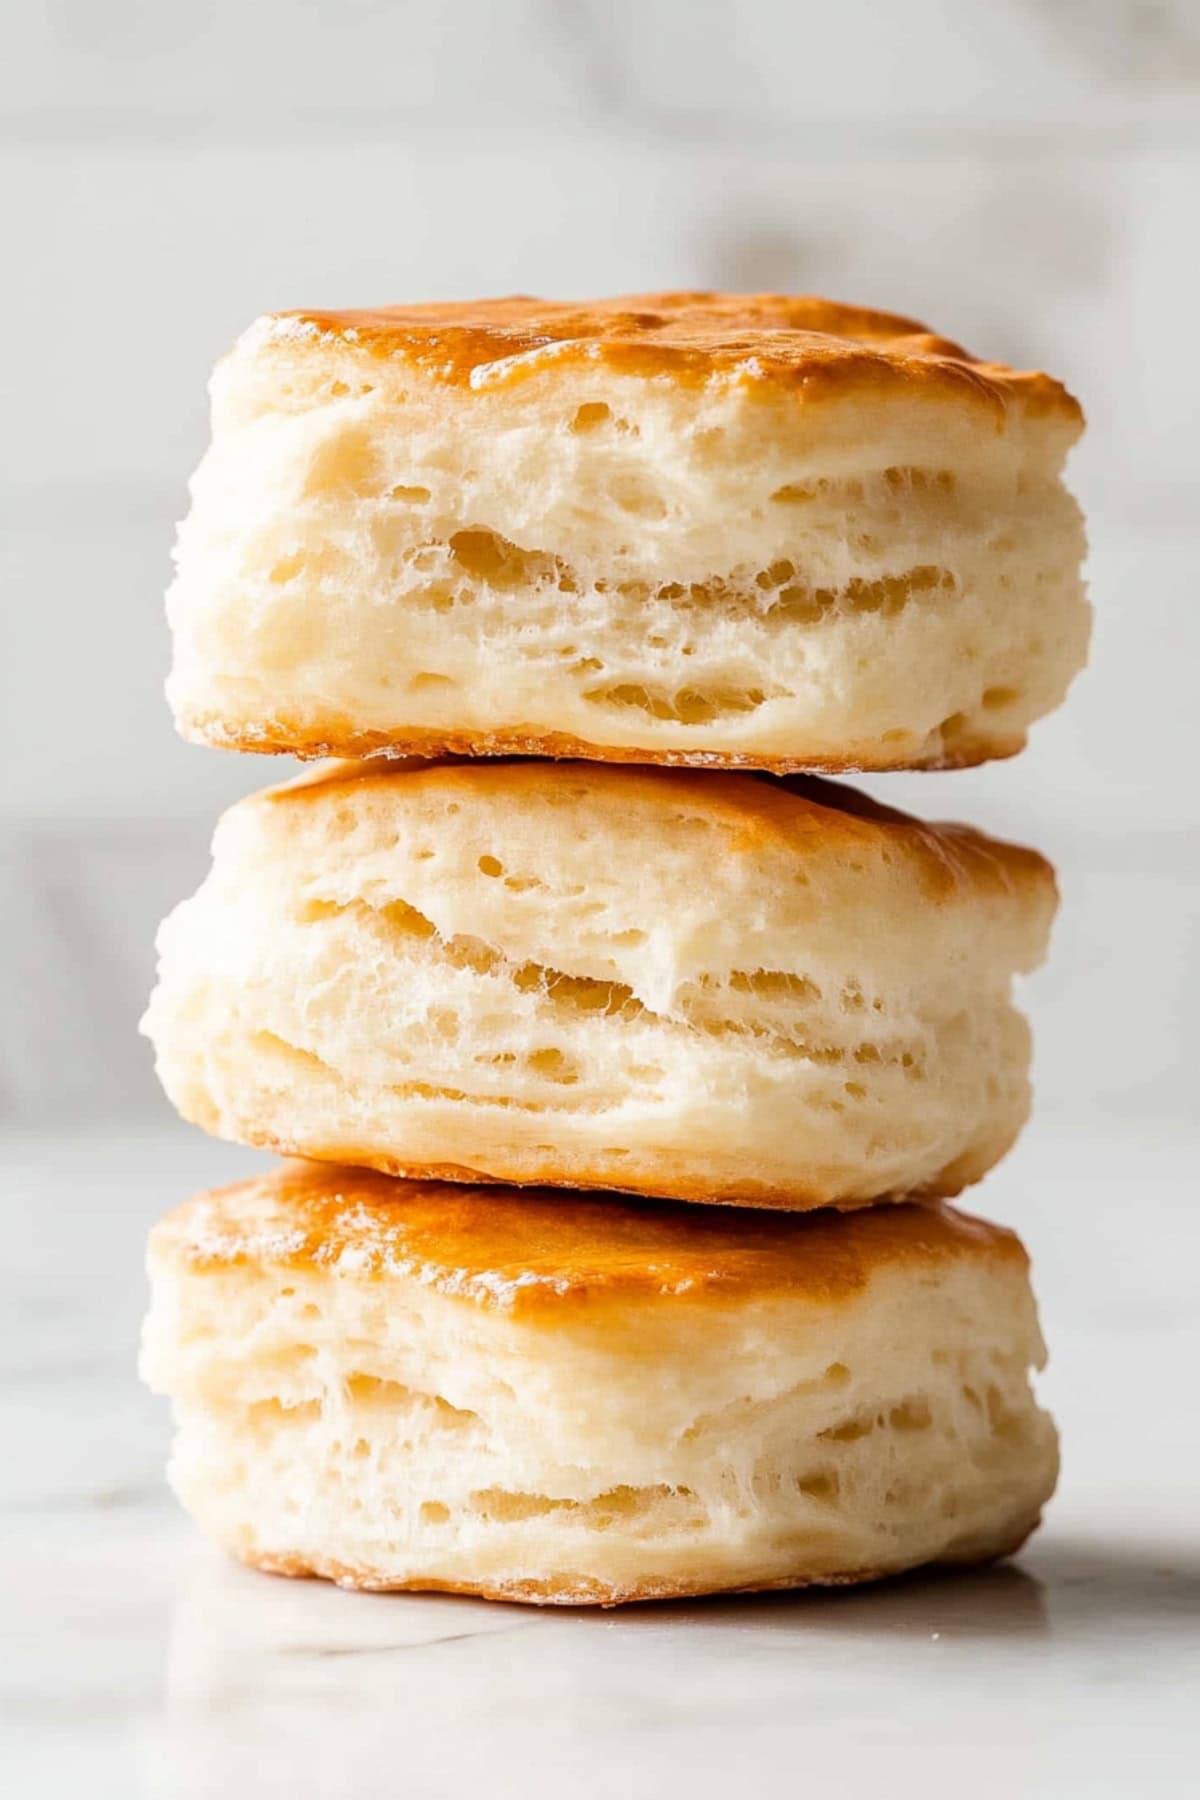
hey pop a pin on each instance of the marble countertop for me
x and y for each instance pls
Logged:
(135, 1661)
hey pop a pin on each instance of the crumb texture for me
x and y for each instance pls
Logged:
(700, 987)
(724, 568)
(374, 1427)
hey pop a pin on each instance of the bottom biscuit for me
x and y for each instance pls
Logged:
(520, 1395)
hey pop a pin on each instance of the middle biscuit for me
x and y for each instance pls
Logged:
(709, 987)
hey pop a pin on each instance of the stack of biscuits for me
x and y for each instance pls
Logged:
(624, 1065)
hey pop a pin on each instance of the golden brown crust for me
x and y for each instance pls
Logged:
(586, 1591)
(531, 1251)
(338, 738)
(801, 344)
(801, 812)
(756, 1196)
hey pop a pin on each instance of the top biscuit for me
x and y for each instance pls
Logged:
(760, 531)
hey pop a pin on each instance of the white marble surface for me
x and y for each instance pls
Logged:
(136, 1662)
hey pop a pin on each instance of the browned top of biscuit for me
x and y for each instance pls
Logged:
(792, 341)
(530, 1250)
(802, 813)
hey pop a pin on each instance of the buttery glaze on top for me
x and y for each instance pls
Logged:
(529, 1249)
(801, 811)
(784, 340)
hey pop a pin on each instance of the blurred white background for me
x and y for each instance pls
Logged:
(1023, 174)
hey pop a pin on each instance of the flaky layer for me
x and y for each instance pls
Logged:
(790, 535)
(706, 987)
(395, 1421)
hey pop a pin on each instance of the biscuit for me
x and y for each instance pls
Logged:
(715, 986)
(537, 1397)
(760, 531)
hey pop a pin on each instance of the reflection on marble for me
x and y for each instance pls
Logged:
(305, 1691)
(136, 1661)
(164, 1670)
